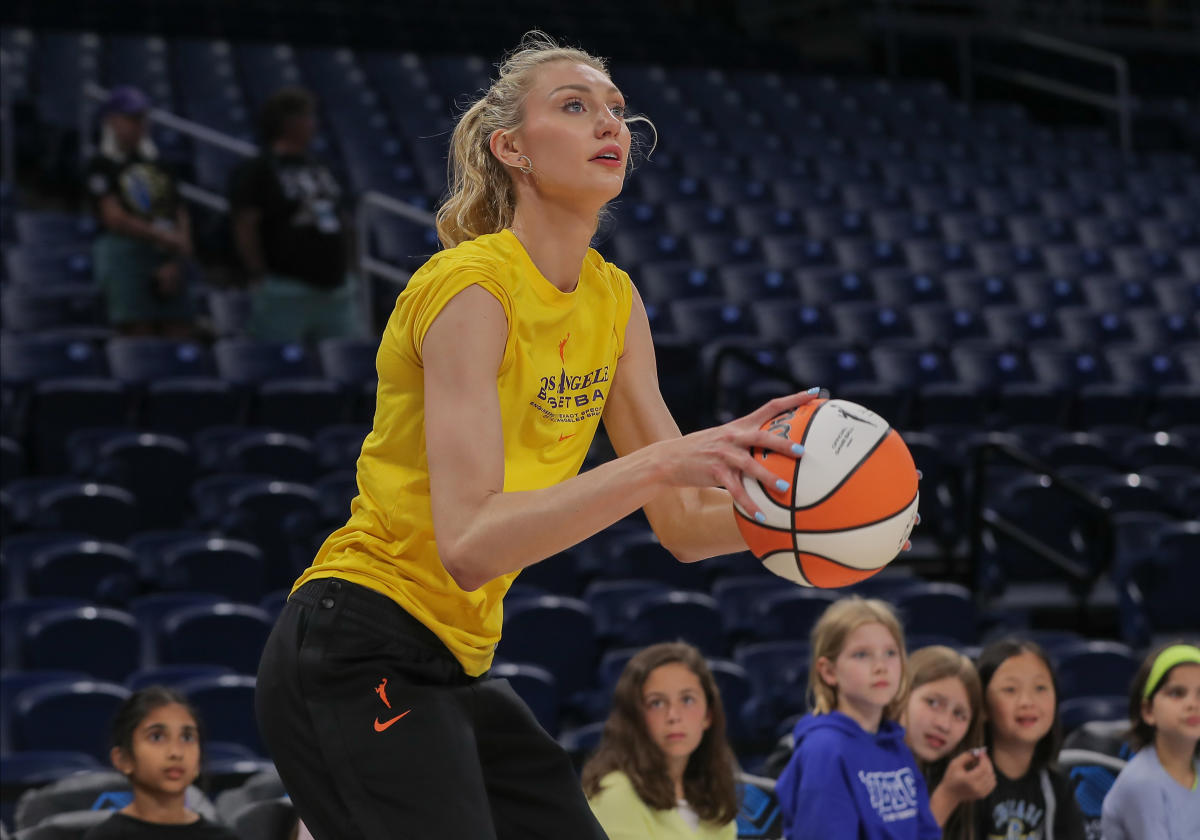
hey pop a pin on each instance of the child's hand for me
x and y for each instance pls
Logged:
(970, 775)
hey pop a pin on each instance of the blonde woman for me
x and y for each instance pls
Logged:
(500, 359)
(851, 774)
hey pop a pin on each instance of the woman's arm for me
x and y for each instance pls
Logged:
(483, 532)
(692, 522)
(114, 217)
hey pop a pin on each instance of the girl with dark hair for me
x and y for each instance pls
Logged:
(157, 744)
(664, 769)
(943, 726)
(1157, 795)
(1031, 798)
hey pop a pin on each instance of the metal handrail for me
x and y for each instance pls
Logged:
(963, 33)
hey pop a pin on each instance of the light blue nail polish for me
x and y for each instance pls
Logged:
(917, 521)
(781, 485)
(920, 475)
(797, 449)
(816, 389)
(760, 517)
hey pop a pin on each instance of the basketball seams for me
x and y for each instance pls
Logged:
(855, 527)
(849, 473)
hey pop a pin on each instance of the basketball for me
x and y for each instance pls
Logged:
(852, 499)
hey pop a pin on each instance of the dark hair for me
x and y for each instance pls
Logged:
(140, 704)
(1141, 734)
(991, 658)
(708, 781)
(285, 103)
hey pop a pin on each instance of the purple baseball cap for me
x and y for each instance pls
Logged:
(126, 99)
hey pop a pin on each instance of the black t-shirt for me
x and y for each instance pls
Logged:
(301, 228)
(1017, 808)
(123, 827)
(143, 187)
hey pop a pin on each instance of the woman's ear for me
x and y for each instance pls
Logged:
(504, 147)
(1148, 713)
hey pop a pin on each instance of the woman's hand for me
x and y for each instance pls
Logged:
(720, 456)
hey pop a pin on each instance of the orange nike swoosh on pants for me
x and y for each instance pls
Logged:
(379, 727)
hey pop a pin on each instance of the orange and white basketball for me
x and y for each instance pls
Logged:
(852, 499)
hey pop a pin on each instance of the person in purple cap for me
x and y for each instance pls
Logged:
(140, 255)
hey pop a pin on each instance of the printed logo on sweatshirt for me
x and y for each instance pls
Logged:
(893, 793)
(1017, 819)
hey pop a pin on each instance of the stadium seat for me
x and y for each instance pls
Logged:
(611, 603)
(271, 819)
(790, 614)
(186, 636)
(104, 643)
(231, 568)
(138, 360)
(226, 703)
(943, 608)
(668, 616)
(249, 362)
(301, 405)
(1079, 710)
(537, 687)
(348, 361)
(66, 716)
(85, 568)
(1090, 669)
(556, 633)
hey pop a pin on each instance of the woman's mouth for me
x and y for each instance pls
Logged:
(174, 773)
(1027, 721)
(935, 741)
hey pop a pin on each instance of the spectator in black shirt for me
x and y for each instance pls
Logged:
(290, 232)
(140, 255)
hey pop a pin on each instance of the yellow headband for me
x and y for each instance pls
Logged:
(1165, 661)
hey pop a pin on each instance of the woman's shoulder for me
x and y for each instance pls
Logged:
(615, 782)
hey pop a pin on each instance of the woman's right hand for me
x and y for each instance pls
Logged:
(720, 456)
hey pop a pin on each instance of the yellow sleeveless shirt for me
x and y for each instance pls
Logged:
(559, 360)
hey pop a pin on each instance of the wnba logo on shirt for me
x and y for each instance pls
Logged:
(893, 793)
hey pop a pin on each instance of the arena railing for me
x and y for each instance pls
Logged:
(371, 201)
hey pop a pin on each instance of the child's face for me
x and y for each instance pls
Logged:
(867, 671)
(675, 709)
(1021, 700)
(1174, 710)
(166, 751)
(936, 718)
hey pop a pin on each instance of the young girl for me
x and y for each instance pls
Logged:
(1031, 797)
(156, 743)
(663, 769)
(851, 774)
(501, 357)
(1157, 795)
(943, 726)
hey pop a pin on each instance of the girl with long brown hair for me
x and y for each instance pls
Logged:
(664, 769)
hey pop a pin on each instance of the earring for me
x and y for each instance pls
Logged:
(528, 167)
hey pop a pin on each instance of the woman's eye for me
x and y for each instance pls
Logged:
(573, 105)
(617, 111)
(933, 702)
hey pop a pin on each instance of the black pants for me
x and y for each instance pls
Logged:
(378, 733)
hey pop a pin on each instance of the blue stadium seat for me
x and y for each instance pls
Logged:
(704, 319)
(1161, 328)
(943, 608)
(665, 282)
(868, 324)
(735, 690)
(67, 716)
(338, 446)
(249, 362)
(829, 286)
(1042, 291)
(144, 359)
(288, 457)
(170, 675)
(790, 614)
(537, 687)
(104, 643)
(29, 308)
(757, 220)
(634, 247)
(12, 460)
(754, 282)
(186, 635)
(611, 602)
(230, 568)
(301, 405)
(210, 495)
(1095, 668)
(101, 510)
(790, 251)
(1016, 326)
(185, 406)
(1080, 710)
(778, 672)
(280, 518)
(59, 407)
(555, 633)
(943, 325)
(687, 218)
(1158, 448)
(36, 357)
(788, 321)
(559, 574)
(900, 287)
(714, 250)
(830, 366)
(348, 361)
(156, 468)
(226, 705)
(691, 616)
(975, 291)
(64, 265)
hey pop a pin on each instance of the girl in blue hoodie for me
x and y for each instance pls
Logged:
(852, 775)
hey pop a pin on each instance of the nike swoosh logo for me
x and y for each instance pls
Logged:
(379, 727)
(561, 438)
